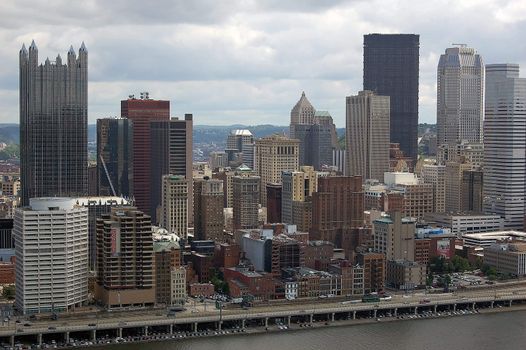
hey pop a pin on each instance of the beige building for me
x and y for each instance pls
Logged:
(245, 209)
(168, 273)
(273, 155)
(368, 135)
(436, 175)
(209, 219)
(404, 274)
(394, 236)
(178, 289)
(174, 207)
(507, 258)
(417, 196)
(297, 186)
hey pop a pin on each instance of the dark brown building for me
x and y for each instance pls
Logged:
(167, 257)
(125, 258)
(227, 255)
(373, 270)
(274, 202)
(209, 220)
(171, 154)
(337, 208)
(318, 255)
(142, 112)
(471, 192)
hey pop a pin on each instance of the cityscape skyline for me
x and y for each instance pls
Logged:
(255, 73)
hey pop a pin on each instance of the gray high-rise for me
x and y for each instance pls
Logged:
(53, 125)
(460, 96)
(390, 68)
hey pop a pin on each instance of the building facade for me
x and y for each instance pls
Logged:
(51, 245)
(174, 207)
(246, 194)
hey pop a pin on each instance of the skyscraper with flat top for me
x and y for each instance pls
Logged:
(460, 96)
(390, 68)
(504, 144)
(142, 112)
(53, 125)
(367, 135)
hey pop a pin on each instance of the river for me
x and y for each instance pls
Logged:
(492, 331)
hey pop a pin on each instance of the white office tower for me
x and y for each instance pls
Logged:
(505, 144)
(51, 240)
(460, 96)
(174, 208)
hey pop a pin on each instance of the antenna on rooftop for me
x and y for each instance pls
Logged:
(460, 45)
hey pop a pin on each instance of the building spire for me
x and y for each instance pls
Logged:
(71, 51)
(23, 49)
(83, 47)
(33, 46)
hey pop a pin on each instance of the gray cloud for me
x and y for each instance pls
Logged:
(245, 61)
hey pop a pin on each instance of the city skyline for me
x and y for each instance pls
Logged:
(257, 72)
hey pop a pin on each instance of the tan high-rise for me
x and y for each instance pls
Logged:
(367, 135)
(174, 208)
(273, 155)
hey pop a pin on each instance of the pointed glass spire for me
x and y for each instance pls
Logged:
(83, 47)
(33, 45)
(23, 49)
(71, 51)
(47, 60)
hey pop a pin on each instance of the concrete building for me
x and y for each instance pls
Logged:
(209, 220)
(436, 175)
(141, 112)
(318, 255)
(297, 186)
(460, 96)
(367, 135)
(217, 160)
(174, 206)
(125, 259)
(226, 176)
(454, 175)
(486, 239)
(115, 157)
(404, 274)
(461, 223)
(51, 244)
(504, 147)
(507, 258)
(390, 68)
(417, 196)
(275, 154)
(246, 194)
(53, 125)
(394, 236)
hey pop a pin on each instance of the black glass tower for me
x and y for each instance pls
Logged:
(390, 68)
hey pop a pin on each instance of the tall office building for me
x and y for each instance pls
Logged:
(302, 113)
(504, 144)
(142, 112)
(390, 68)
(394, 236)
(274, 203)
(436, 175)
(454, 174)
(51, 246)
(174, 206)
(246, 193)
(209, 220)
(53, 125)
(125, 259)
(275, 154)
(171, 154)
(114, 157)
(460, 96)
(471, 193)
(367, 135)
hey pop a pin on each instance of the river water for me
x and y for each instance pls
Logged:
(496, 331)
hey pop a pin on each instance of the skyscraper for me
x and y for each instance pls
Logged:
(460, 96)
(246, 190)
(209, 220)
(53, 125)
(367, 135)
(390, 68)
(298, 186)
(504, 144)
(170, 153)
(243, 142)
(142, 112)
(114, 157)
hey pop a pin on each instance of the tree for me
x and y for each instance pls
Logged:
(9, 292)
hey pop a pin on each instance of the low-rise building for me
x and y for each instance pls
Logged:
(404, 274)
(507, 258)
(486, 239)
(461, 223)
(201, 289)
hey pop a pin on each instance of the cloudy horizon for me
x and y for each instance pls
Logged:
(243, 61)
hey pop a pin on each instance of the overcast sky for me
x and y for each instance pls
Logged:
(245, 61)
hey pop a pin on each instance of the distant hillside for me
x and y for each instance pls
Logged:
(9, 133)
